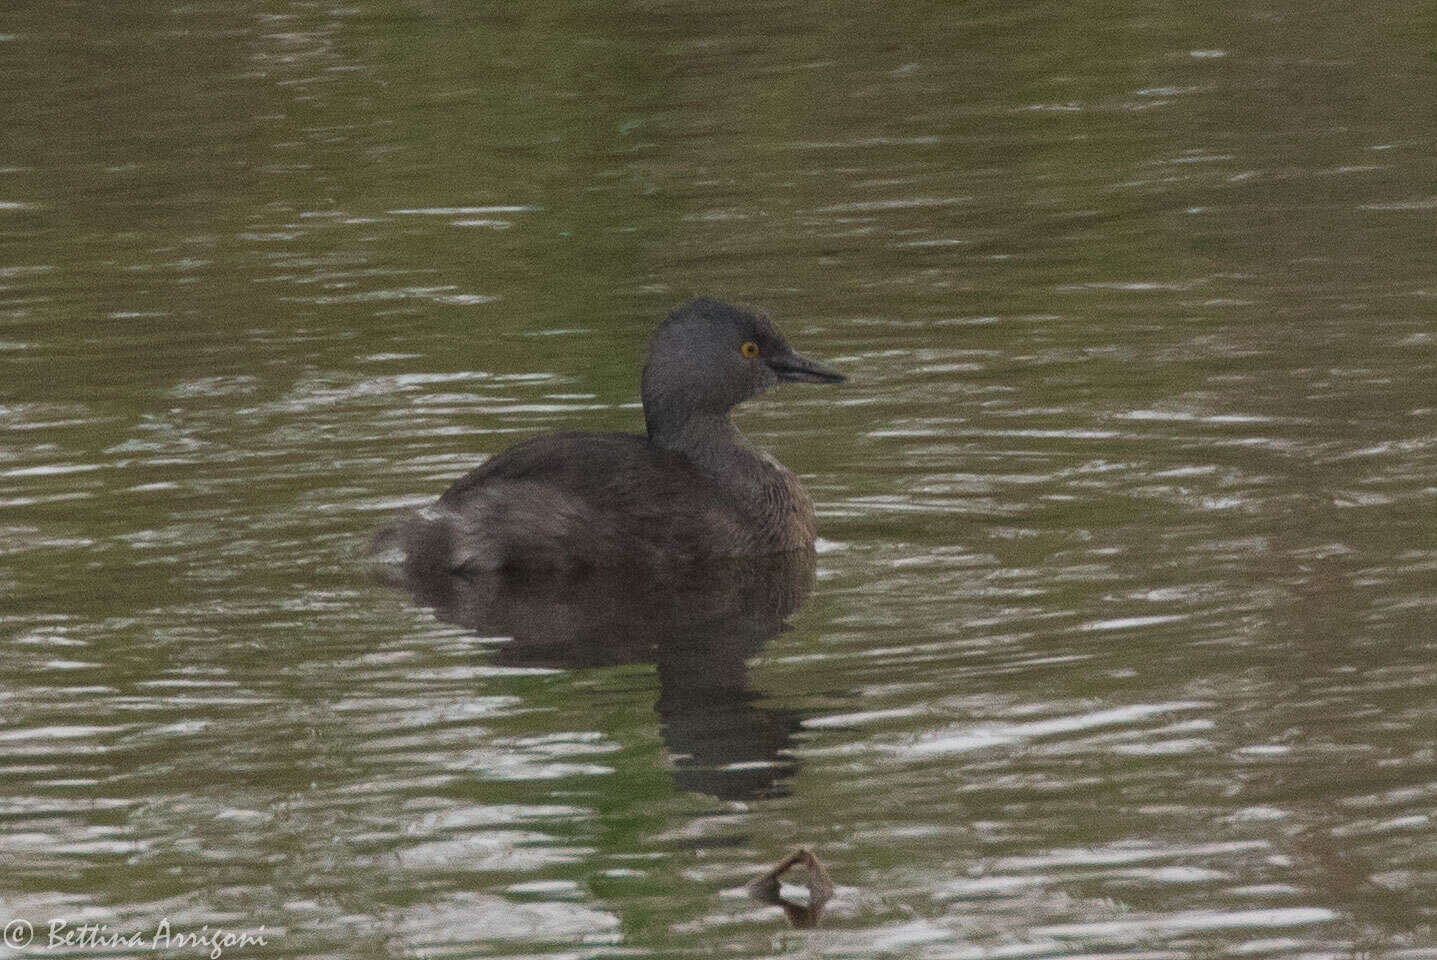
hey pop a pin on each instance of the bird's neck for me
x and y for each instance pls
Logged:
(779, 509)
(710, 440)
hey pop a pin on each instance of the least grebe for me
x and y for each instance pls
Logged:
(690, 489)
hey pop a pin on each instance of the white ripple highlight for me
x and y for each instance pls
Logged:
(1190, 922)
(963, 739)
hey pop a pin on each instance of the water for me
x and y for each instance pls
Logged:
(1119, 639)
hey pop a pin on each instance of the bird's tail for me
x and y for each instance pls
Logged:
(418, 544)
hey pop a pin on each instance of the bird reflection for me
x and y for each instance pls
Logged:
(698, 624)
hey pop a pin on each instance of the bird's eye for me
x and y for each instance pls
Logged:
(749, 349)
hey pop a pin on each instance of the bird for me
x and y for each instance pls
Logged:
(690, 489)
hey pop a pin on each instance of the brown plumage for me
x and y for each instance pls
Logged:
(691, 489)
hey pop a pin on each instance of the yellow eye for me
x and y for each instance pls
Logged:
(749, 349)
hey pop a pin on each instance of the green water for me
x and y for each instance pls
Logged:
(1119, 641)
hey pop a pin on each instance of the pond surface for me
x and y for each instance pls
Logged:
(1119, 640)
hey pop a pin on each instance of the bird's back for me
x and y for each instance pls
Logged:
(579, 499)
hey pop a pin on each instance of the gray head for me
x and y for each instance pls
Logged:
(709, 356)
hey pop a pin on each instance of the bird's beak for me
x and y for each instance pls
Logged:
(796, 367)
